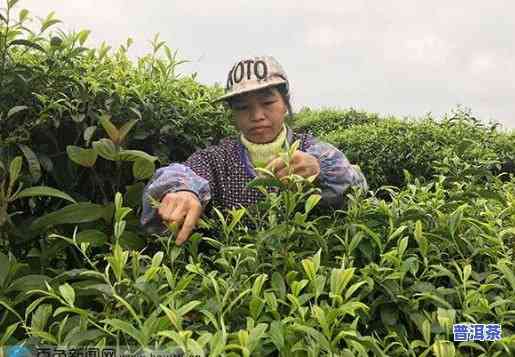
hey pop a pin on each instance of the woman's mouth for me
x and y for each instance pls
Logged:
(259, 129)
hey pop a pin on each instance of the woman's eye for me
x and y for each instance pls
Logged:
(240, 107)
(270, 102)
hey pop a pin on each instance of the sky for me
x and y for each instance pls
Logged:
(403, 58)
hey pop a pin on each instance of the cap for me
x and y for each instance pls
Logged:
(253, 73)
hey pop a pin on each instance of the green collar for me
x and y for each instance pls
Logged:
(260, 154)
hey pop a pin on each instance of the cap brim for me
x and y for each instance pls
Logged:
(266, 84)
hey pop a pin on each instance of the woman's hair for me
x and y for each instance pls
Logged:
(283, 91)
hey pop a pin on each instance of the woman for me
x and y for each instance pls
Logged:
(257, 91)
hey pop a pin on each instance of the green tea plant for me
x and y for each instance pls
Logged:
(384, 149)
(325, 121)
(398, 275)
(58, 99)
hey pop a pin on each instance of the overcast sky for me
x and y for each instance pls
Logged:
(406, 58)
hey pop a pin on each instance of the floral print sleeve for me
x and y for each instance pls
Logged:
(174, 178)
(337, 174)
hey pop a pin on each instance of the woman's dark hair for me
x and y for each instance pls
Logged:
(285, 93)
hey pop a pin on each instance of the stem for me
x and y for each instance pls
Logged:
(99, 183)
(4, 49)
(119, 176)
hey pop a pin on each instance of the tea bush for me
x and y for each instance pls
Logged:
(385, 148)
(325, 121)
(55, 90)
(387, 278)
(67, 110)
(386, 275)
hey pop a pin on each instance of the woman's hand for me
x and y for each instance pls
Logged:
(182, 208)
(303, 164)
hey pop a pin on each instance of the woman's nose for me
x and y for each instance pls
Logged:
(257, 112)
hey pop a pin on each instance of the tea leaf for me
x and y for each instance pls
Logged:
(309, 268)
(467, 270)
(83, 157)
(421, 240)
(40, 317)
(83, 36)
(278, 284)
(28, 282)
(79, 337)
(446, 318)
(36, 191)
(353, 288)
(183, 310)
(319, 315)
(339, 280)
(127, 328)
(507, 272)
(256, 306)
(8, 333)
(93, 237)
(134, 155)
(33, 161)
(443, 348)
(311, 202)
(75, 213)
(276, 334)
(256, 334)
(45, 336)
(317, 336)
(258, 285)
(88, 133)
(271, 301)
(438, 300)
(124, 130)
(403, 244)
(217, 344)
(48, 22)
(11, 3)
(67, 293)
(106, 149)
(237, 215)
(14, 170)
(426, 331)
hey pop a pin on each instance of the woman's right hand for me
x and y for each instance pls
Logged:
(182, 208)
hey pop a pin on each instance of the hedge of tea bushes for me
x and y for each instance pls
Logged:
(54, 91)
(385, 148)
(382, 277)
(328, 120)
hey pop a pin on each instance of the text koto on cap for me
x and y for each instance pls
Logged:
(253, 73)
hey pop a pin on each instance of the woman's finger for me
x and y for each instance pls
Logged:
(167, 207)
(179, 213)
(275, 165)
(190, 222)
(282, 172)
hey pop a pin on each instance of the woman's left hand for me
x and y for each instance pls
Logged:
(303, 164)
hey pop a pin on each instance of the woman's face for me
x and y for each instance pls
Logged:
(259, 115)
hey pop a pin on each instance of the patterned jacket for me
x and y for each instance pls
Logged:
(219, 174)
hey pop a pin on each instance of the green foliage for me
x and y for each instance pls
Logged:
(387, 277)
(60, 99)
(325, 121)
(384, 149)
